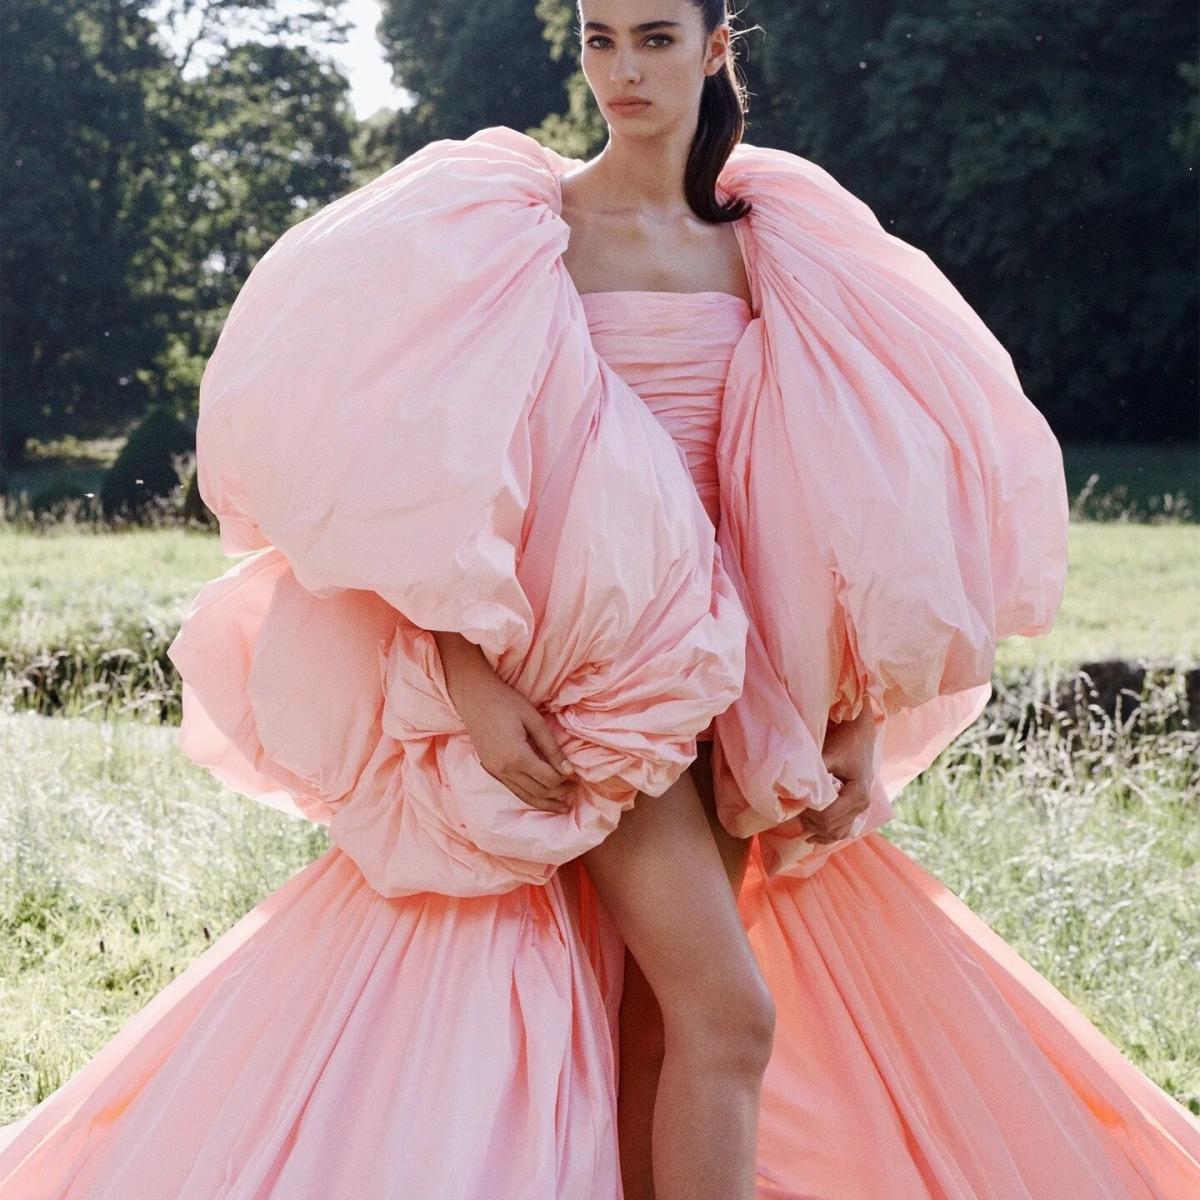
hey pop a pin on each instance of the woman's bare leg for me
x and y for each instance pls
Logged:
(640, 1019)
(664, 883)
(638, 1071)
(735, 852)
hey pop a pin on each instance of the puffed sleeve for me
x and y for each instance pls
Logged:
(372, 351)
(892, 503)
(405, 423)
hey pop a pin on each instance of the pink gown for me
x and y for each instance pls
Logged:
(339, 1044)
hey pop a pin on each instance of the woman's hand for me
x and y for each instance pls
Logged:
(513, 742)
(850, 756)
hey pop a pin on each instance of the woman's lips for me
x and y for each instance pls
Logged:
(628, 105)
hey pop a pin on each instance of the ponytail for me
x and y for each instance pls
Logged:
(719, 128)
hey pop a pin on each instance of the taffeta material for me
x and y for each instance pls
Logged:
(406, 414)
(429, 1009)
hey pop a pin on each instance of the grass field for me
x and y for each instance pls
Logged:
(122, 861)
(1133, 590)
(1132, 478)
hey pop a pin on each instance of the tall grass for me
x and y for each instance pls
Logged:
(120, 862)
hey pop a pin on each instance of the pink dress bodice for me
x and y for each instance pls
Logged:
(674, 350)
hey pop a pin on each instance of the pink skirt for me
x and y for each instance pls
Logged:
(335, 1044)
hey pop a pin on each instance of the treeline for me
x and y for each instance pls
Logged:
(1045, 155)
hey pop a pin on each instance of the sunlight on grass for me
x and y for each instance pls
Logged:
(120, 862)
(85, 619)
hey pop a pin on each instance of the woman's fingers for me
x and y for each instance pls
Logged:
(825, 838)
(529, 791)
(835, 823)
(550, 782)
(543, 739)
(532, 796)
(523, 787)
(538, 777)
(823, 824)
(826, 832)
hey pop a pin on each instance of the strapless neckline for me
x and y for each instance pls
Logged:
(674, 350)
(718, 296)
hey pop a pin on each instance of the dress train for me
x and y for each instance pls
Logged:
(338, 1044)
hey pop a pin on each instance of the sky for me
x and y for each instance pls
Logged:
(361, 58)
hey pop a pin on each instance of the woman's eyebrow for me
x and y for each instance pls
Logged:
(642, 28)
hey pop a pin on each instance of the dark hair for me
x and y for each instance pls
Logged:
(721, 124)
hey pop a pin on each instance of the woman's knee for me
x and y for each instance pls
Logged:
(729, 1022)
(662, 880)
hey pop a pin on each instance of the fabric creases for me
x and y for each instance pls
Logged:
(889, 505)
(673, 349)
(892, 503)
(459, 463)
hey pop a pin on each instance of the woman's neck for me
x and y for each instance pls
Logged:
(643, 176)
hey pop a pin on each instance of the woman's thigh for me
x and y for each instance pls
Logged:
(663, 881)
(735, 852)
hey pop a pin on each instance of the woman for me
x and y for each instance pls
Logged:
(650, 68)
(472, 437)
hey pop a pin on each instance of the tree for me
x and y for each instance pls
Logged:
(274, 134)
(1045, 156)
(1050, 189)
(468, 66)
(79, 137)
(139, 199)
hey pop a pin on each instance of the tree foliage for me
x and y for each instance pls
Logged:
(468, 65)
(80, 135)
(138, 197)
(1045, 156)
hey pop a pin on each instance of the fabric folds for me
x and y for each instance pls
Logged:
(406, 428)
(891, 504)
(405, 418)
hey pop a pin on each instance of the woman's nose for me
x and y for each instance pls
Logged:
(624, 70)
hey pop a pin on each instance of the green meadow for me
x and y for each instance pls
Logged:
(90, 615)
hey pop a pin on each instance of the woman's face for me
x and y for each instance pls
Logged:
(656, 50)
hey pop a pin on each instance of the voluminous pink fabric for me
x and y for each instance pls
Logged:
(417, 423)
(465, 459)
(674, 351)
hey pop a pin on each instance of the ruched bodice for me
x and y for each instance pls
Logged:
(674, 350)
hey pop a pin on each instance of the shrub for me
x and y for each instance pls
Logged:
(145, 467)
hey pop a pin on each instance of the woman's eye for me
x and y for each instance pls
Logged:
(598, 37)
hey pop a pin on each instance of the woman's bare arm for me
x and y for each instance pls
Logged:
(513, 741)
